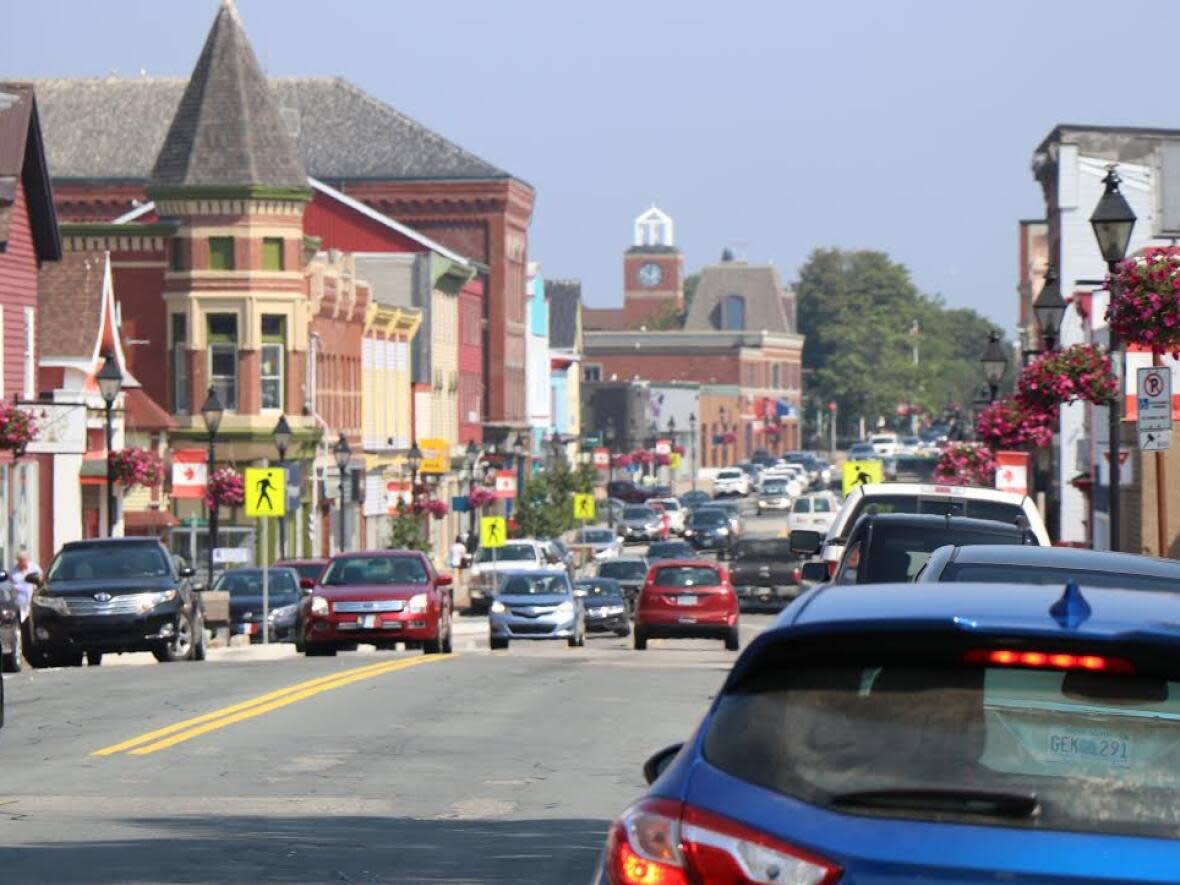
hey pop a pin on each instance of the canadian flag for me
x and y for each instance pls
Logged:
(189, 473)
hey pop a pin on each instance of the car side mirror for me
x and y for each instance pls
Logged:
(34, 580)
(186, 571)
(4, 576)
(805, 543)
(659, 761)
(444, 580)
(814, 572)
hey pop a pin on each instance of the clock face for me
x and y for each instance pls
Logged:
(650, 274)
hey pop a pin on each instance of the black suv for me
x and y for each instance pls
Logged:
(116, 595)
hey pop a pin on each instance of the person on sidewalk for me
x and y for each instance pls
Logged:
(458, 557)
(21, 587)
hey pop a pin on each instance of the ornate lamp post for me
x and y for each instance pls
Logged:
(282, 437)
(110, 381)
(342, 454)
(1113, 220)
(1049, 309)
(211, 413)
(995, 363)
(672, 438)
(414, 461)
(518, 450)
(473, 453)
(692, 433)
(608, 437)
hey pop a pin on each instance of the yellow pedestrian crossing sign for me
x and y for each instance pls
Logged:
(583, 507)
(862, 472)
(492, 531)
(266, 491)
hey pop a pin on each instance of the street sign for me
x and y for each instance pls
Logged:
(492, 531)
(1012, 472)
(266, 491)
(584, 507)
(663, 447)
(602, 457)
(505, 483)
(1155, 440)
(231, 556)
(1154, 399)
(435, 456)
(861, 473)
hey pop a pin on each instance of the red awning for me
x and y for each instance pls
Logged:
(143, 413)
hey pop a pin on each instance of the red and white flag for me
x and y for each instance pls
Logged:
(190, 473)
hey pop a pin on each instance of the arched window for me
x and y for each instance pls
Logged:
(733, 313)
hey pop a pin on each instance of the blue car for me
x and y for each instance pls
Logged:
(536, 605)
(942, 733)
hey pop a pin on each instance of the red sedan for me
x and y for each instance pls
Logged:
(380, 598)
(687, 599)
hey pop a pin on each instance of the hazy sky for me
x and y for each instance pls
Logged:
(770, 127)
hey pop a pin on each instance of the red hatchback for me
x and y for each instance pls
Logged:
(687, 599)
(380, 598)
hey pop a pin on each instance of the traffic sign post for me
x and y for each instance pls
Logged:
(1154, 395)
(266, 496)
(492, 532)
(861, 473)
(584, 507)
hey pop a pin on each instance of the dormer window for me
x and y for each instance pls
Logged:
(733, 313)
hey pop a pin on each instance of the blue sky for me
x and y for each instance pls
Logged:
(769, 127)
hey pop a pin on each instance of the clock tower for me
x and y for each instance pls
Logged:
(653, 271)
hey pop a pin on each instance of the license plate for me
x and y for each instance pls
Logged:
(686, 600)
(1095, 745)
(368, 622)
(249, 629)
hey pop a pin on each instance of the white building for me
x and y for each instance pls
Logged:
(538, 395)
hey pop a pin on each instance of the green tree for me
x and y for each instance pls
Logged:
(546, 507)
(409, 530)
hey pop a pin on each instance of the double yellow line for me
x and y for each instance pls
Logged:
(179, 732)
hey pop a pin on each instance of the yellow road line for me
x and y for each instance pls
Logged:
(198, 725)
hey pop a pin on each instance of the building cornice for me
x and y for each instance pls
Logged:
(595, 343)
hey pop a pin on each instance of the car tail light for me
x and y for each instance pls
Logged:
(797, 574)
(663, 842)
(832, 565)
(1048, 660)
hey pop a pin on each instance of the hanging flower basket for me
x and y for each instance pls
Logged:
(17, 429)
(480, 497)
(1016, 424)
(1080, 372)
(663, 460)
(137, 467)
(225, 488)
(642, 456)
(436, 508)
(678, 449)
(966, 464)
(622, 460)
(1145, 307)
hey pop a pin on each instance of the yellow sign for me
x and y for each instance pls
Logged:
(675, 460)
(436, 455)
(861, 472)
(583, 507)
(492, 531)
(266, 491)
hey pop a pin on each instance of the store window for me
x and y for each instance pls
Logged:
(223, 357)
(274, 361)
(176, 254)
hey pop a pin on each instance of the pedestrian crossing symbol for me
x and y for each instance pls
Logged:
(857, 473)
(492, 531)
(266, 491)
(584, 507)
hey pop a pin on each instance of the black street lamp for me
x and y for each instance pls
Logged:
(414, 461)
(692, 433)
(518, 450)
(1049, 309)
(1113, 220)
(282, 437)
(343, 454)
(110, 381)
(995, 363)
(473, 454)
(211, 413)
(608, 437)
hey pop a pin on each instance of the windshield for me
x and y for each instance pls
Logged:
(882, 439)
(600, 589)
(997, 511)
(897, 554)
(101, 562)
(764, 549)
(350, 570)
(729, 473)
(248, 582)
(598, 536)
(801, 505)
(507, 553)
(639, 513)
(623, 570)
(1003, 573)
(309, 571)
(709, 518)
(535, 585)
(774, 487)
(686, 576)
(1097, 751)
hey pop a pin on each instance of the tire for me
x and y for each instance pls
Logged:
(297, 637)
(12, 662)
(640, 640)
(434, 646)
(623, 632)
(318, 650)
(66, 659)
(181, 647)
(93, 659)
(732, 642)
(497, 643)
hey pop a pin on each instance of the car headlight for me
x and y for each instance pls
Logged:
(319, 605)
(723, 531)
(615, 609)
(499, 608)
(282, 615)
(566, 608)
(148, 601)
(53, 603)
(418, 603)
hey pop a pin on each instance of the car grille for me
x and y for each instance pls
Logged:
(532, 611)
(127, 604)
(375, 605)
(531, 629)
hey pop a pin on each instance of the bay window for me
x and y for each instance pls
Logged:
(223, 357)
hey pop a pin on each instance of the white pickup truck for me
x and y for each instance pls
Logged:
(491, 563)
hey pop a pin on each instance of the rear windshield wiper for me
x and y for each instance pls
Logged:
(958, 800)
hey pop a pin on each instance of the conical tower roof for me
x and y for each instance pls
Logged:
(228, 132)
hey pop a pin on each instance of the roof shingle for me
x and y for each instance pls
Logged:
(69, 300)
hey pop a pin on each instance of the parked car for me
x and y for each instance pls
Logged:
(810, 461)
(641, 523)
(11, 639)
(1054, 566)
(813, 512)
(380, 597)
(599, 543)
(627, 491)
(605, 604)
(677, 514)
(764, 571)
(244, 586)
(731, 481)
(491, 563)
(670, 550)
(687, 599)
(862, 451)
(884, 444)
(942, 500)
(114, 595)
(629, 571)
(708, 529)
(612, 510)
(887, 548)
(870, 736)
(309, 569)
(774, 494)
(536, 605)
(695, 499)
(908, 445)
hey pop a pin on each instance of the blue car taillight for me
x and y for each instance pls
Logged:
(664, 842)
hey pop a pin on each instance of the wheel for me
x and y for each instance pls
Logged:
(180, 648)
(94, 659)
(297, 636)
(640, 640)
(12, 662)
(434, 646)
(318, 650)
(573, 641)
(497, 643)
(732, 643)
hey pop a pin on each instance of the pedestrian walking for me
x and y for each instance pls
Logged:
(458, 553)
(20, 573)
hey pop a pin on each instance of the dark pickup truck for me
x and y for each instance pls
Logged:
(764, 571)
